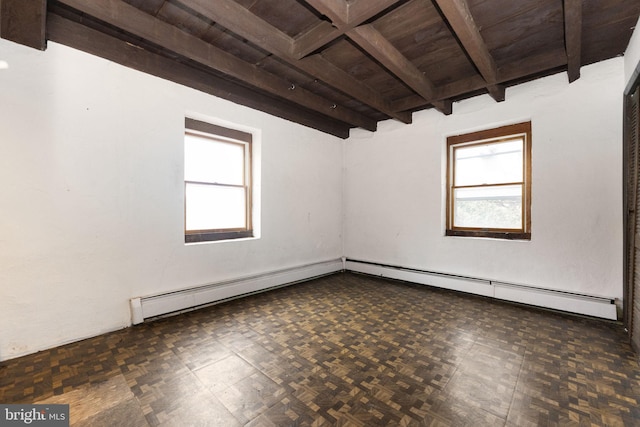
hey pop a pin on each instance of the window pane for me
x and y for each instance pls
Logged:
(207, 160)
(211, 207)
(488, 207)
(494, 163)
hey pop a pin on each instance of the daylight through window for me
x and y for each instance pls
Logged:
(217, 179)
(489, 183)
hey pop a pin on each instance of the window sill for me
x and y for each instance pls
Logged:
(502, 235)
(217, 236)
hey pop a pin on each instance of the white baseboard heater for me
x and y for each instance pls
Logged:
(186, 299)
(589, 305)
(152, 306)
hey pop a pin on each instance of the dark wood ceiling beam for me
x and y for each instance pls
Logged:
(145, 26)
(360, 11)
(235, 17)
(531, 66)
(573, 37)
(497, 92)
(344, 17)
(320, 35)
(459, 17)
(241, 21)
(92, 41)
(336, 10)
(514, 71)
(24, 22)
(368, 38)
(334, 76)
(350, 13)
(450, 90)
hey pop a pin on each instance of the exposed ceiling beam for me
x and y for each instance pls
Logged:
(320, 35)
(350, 13)
(145, 26)
(24, 22)
(336, 10)
(242, 22)
(573, 37)
(95, 42)
(344, 16)
(334, 76)
(368, 38)
(533, 65)
(459, 17)
(516, 70)
(497, 92)
(450, 90)
(360, 11)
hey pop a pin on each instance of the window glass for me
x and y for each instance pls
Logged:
(214, 207)
(208, 160)
(489, 207)
(490, 163)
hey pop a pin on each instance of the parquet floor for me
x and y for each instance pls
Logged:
(344, 350)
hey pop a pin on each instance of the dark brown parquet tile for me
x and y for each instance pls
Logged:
(486, 378)
(113, 396)
(290, 412)
(124, 414)
(344, 350)
(198, 353)
(183, 401)
(224, 373)
(251, 396)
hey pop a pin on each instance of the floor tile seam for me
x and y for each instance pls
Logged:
(213, 396)
(462, 358)
(457, 368)
(132, 397)
(257, 369)
(492, 413)
(318, 369)
(138, 396)
(287, 395)
(204, 389)
(365, 337)
(171, 351)
(363, 392)
(515, 388)
(109, 406)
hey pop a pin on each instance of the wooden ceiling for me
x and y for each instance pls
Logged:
(335, 64)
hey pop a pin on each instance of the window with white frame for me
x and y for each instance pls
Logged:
(217, 182)
(489, 183)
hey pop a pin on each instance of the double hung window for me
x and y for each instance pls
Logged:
(489, 183)
(217, 182)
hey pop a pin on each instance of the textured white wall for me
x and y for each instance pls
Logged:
(91, 192)
(91, 195)
(632, 54)
(395, 187)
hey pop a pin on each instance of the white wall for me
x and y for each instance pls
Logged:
(395, 187)
(91, 207)
(91, 195)
(632, 54)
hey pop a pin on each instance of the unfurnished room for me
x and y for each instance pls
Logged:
(319, 213)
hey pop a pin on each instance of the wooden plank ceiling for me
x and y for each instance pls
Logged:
(336, 64)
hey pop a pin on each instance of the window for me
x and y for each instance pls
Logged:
(217, 182)
(489, 183)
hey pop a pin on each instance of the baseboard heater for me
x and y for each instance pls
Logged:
(589, 305)
(148, 307)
